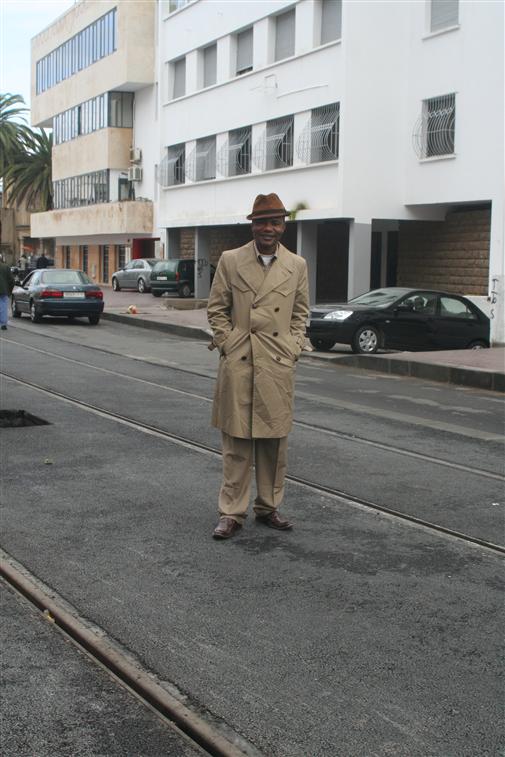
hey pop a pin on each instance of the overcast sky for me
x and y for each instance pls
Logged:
(20, 20)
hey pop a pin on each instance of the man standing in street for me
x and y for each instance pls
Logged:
(257, 310)
(42, 261)
(6, 287)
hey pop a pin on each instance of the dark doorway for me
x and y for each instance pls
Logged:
(375, 260)
(392, 262)
(143, 248)
(332, 261)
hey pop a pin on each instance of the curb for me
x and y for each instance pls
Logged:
(193, 332)
(443, 373)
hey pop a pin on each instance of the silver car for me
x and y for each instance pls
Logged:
(135, 275)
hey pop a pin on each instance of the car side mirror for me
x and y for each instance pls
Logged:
(404, 308)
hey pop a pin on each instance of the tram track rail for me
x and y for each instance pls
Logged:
(352, 438)
(341, 496)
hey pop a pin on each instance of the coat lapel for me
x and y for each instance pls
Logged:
(249, 269)
(281, 270)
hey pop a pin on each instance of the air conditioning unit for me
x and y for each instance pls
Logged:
(135, 154)
(134, 173)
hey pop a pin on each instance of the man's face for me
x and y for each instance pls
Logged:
(267, 232)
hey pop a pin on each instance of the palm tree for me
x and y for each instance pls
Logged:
(13, 128)
(27, 177)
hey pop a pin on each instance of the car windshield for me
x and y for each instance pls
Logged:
(379, 297)
(64, 277)
(165, 265)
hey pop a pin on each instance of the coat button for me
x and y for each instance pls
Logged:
(254, 305)
(278, 359)
(253, 331)
(276, 310)
(276, 333)
(244, 357)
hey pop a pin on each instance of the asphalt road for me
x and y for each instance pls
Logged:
(357, 633)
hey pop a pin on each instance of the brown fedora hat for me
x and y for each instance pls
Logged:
(267, 206)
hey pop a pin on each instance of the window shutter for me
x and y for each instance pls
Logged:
(209, 65)
(244, 51)
(180, 78)
(444, 13)
(331, 20)
(285, 35)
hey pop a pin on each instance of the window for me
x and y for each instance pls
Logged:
(205, 159)
(443, 14)
(234, 157)
(121, 256)
(67, 257)
(121, 109)
(331, 20)
(450, 307)
(424, 303)
(435, 129)
(105, 262)
(285, 35)
(209, 65)
(279, 143)
(84, 257)
(244, 52)
(109, 109)
(172, 169)
(179, 80)
(86, 189)
(174, 5)
(82, 50)
(319, 140)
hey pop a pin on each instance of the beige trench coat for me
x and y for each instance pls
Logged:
(258, 324)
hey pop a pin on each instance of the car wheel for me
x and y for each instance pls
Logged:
(322, 344)
(156, 293)
(141, 286)
(478, 344)
(94, 319)
(14, 309)
(184, 290)
(115, 284)
(366, 340)
(35, 315)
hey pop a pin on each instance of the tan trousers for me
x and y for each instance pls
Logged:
(270, 458)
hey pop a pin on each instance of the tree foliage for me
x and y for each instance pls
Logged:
(25, 157)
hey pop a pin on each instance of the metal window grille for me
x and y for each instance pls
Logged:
(174, 5)
(121, 256)
(244, 51)
(444, 13)
(285, 35)
(319, 141)
(210, 65)
(275, 149)
(331, 20)
(172, 169)
(434, 130)
(105, 263)
(84, 257)
(234, 157)
(67, 257)
(201, 163)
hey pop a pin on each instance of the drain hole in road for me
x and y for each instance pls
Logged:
(18, 418)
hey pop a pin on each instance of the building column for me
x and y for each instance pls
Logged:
(172, 244)
(202, 263)
(497, 274)
(306, 245)
(360, 252)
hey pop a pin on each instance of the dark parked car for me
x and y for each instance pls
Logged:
(135, 275)
(403, 319)
(58, 291)
(177, 275)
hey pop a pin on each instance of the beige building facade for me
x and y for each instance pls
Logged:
(93, 72)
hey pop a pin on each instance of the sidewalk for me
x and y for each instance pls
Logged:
(482, 369)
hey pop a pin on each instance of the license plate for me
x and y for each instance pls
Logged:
(74, 295)
(161, 278)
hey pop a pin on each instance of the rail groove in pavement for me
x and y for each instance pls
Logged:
(317, 488)
(301, 424)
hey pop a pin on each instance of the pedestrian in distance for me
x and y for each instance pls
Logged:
(6, 287)
(23, 262)
(257, 310)
(42, 261)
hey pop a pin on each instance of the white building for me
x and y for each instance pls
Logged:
(379, 123)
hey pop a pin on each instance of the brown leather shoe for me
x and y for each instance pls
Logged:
(226, 528)
(273, 520)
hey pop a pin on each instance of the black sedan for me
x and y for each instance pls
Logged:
(400, 318)
(58, 291)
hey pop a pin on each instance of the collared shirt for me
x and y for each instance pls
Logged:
(265, 260)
